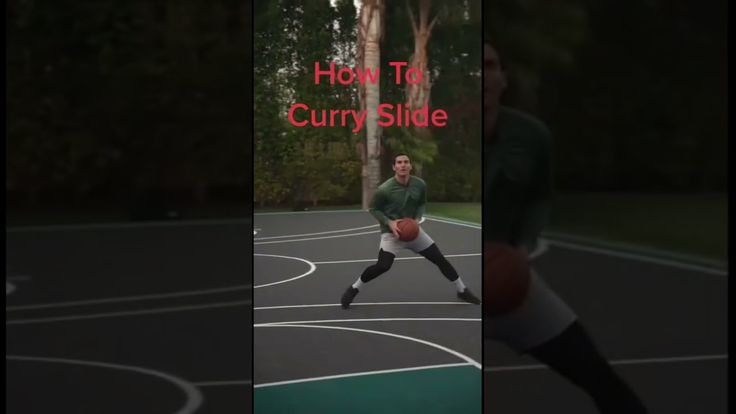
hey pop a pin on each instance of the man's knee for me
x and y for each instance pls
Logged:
(385, 261)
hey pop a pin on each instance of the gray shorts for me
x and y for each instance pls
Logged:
(541, 317)
(391, 244)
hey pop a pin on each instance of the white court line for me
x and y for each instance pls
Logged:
(328, 305)
(127, 313)
(316, 234)
(234, 288)
(611, 252)
(126, 225)
(572, 246)
(398, 258)
(323, 237)
(642, 361)
(311, 270)
(222, 383)
(639, 257)
(316, 238)
(193, 395)
(643, 250)
(457, 223)
(462, 356)
(364, 373)
(258, 325)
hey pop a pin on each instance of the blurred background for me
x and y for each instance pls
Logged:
(298, 168)
(132, 110)
(635, 93)
(124, 121)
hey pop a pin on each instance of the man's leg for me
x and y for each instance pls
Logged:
(385, 260)
(433, 254)
(573, 355)
(545, 327)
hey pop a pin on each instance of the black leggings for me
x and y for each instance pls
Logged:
(433, 254)
(573, 355)
(386, 260)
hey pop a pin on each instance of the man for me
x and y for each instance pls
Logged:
(400, 197)
(518, 187)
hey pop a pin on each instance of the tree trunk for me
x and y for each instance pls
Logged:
(369, 38)
(418, 94)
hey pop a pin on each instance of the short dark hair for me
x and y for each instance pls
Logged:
(399, 155)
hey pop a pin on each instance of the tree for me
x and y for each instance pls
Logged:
(418, 94)
(370, 34)
(302, 165)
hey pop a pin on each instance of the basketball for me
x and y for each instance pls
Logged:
(408, 229)
(506, 278)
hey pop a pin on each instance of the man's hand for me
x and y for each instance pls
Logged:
(393, 225)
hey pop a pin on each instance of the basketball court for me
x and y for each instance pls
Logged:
(661, 322)
(407, 344)
(157, 318)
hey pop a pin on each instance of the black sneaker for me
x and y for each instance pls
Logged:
(468, 296)
(348, 296)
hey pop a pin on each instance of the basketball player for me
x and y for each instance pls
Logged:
(518, 186)
(403, 196)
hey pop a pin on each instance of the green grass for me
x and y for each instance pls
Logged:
(460, 211)
(684, 223)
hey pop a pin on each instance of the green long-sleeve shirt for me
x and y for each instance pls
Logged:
(518, 180)
(393, 201)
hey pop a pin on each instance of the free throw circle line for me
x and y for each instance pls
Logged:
(193, 395)
(312, 268)
(457, 354)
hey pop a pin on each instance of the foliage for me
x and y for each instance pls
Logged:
(108, 99)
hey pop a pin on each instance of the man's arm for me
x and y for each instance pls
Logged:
(378, 203)
(422, 205)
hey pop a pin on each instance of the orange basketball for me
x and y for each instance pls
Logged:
(506, 278)
(408, 229)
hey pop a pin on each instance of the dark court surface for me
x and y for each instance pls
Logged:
(661, 323)
(122, 318)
